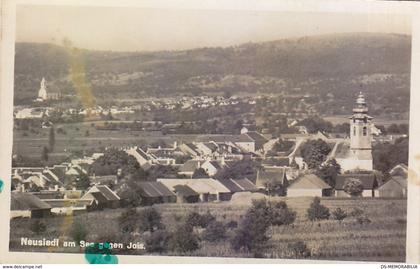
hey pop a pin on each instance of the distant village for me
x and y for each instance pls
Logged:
(213, 168)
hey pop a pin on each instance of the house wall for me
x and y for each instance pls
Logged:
(247, 146)
(41, 213)
(353, 164)
(20, 213)
(67, 210)
(368, 193)
(291, 192)
(365, 193)
(209, 168)
(391, 189)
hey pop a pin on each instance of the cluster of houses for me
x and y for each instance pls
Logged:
(53, 190)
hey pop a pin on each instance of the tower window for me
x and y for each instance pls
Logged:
(364, 131)
(354, 131)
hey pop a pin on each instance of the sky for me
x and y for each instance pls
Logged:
(141, 29)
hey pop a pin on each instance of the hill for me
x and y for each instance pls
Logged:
(317, 64)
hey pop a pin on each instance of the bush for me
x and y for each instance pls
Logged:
(184, 239)
(38, 227)
(194, 219)
(157, 241)
(299, 250)
(363, 220)
(150, 220)
(78, 233)
(356, 212)
(232, 224)
(215, 231)
(339, 214)
(281, 214)
(316, 211)
(128, 220)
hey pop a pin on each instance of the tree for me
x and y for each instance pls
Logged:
(83, 182)
(44, 155)
(127, 220)
(37, 226)
(251, 235)
(276, 188)
(157, 241)
(149, 219)
(328, 172)
(114, 159)
(244, 168)
(314, 152)
(215, 231)
(387, 155)
(353, 186)
(281, 214)
(316, 211)
(195, 219)
(51, 138)
(200, 173)
(315, 124)
(184, 239)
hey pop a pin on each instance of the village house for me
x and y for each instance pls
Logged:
(368, 180)
(189, 167)
(102, 196)
(185, 194)
(27, 205)
(209, 189)
(396, 186)
(140, 155)
(152, 192)
(212, 167)
(190, 149)
(309, 185)
(271, 176)
(239, 185)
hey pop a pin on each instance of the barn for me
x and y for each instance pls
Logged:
(309, 185)
(27, 205)
(396, 187)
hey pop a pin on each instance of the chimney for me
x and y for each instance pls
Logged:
(222, 161)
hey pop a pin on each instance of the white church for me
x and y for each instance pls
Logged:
(43, 95)
(354, 153)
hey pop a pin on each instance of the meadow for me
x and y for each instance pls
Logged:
(382, 238)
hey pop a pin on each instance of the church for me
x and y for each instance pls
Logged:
(43, 95)
(353, 153)
(356, 153)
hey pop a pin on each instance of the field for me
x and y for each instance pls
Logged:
(381, 239)
(79, 137)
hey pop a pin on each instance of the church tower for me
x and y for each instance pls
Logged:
(42, 93)
(361, 134)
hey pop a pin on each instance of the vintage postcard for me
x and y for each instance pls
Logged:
(269, 131)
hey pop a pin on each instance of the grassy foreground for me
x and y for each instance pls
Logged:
(381, 239)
